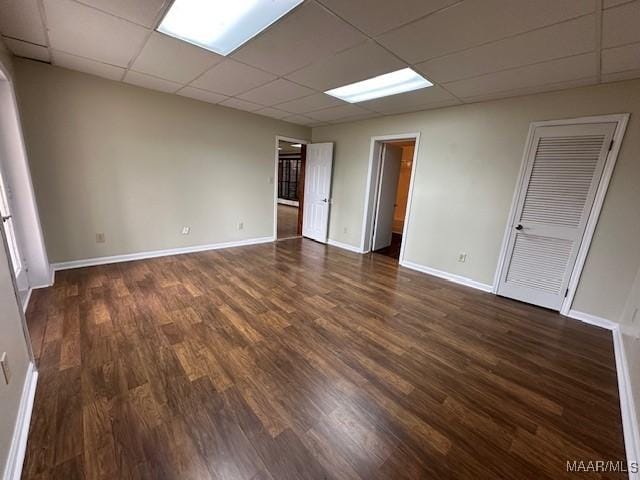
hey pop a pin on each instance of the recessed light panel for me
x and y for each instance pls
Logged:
(400, 81)
(222, 25)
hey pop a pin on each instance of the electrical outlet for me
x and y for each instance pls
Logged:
(100, 238)
(241, 226)
(6, 371)
(186, 230)
(462, 257)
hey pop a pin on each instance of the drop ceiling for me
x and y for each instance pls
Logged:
(472, 50)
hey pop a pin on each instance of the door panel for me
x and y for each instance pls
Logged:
(317, 191)
(8, 224)
(389, 173)
(563, 171)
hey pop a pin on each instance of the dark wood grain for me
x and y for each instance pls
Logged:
(296, 360)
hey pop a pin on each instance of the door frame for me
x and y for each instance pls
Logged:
(621, 120)
(275, 182)
(373, 184)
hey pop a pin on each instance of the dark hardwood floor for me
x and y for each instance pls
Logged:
(393, 250)
(295, 360)
(287, 221)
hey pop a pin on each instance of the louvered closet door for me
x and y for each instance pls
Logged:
(563, 170)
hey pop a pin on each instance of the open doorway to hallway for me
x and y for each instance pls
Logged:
(290, 181)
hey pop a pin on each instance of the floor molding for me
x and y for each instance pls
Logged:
(15, 460)
(89, 262)
(448, 276)
(344, 246)
(592, 319)
(25, 301)
(627, 405)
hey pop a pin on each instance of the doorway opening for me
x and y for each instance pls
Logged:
(391, 171)
(290, 171)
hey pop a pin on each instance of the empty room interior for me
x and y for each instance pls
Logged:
(319, 239)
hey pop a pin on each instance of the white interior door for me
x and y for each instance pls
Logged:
(388, 185)
(8, 224)
(563, 170)
(317, 191)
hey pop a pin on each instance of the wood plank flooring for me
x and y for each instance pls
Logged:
(287, 221)
(295, 360)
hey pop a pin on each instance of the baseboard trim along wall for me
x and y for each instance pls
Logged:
(447, 276)
(89, 262)
(15, 460)
(592, 319)
(344, 246)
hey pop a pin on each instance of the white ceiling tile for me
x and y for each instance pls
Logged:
(89, 33)
(377, 16)
(27, 49)
(613, 3)
(308, 34)
(278, 91)
(358, 63)
(172, 59)
(621, 25)
(273, 113)
(356, 118)
(518, 92)
(338, 113)
(231, 78)
(554, 71)
(203, 95)
(85, 65)
(561, 40)
(411, 101)
(21, 19)
(299, 120)
(472, 23)
(241, 105)
(620, 59)
(310, 103)
(153, 83)
(143, 12)
(620, 76)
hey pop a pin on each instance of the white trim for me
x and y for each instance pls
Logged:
(15, 459)
(275, 179)
(25, 302)
(621, 120)
(344, 246)
(157, 253)
(372, 186)
(291, 203)
(592, 319)
(447, 276)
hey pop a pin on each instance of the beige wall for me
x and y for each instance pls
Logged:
(468, 160)
(12, 338)
(138, 165)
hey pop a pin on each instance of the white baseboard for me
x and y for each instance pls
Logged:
(15, 460)
(156, 253)
(344, 246)
(447, 276)
(592, 319)
(25, 300)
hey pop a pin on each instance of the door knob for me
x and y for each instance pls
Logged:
(4, 219)
(519, 227)
(324, 200)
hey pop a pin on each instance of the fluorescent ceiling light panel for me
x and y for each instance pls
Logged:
(400, 81)
(222, 25)
(296, 145)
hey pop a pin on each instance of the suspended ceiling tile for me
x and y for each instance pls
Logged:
(562, 40)
(338, 113)
(172, 59)
(231, 78)
(278, 91)
(89, 33)
(273, 113)
(377, 16)
(613, 3)
(539, 75)
(202, 95)
(358, 63)
(299, 120)
(241, 105)
(154, 83)
(143, 12)
(411, 101)
(621, 59)
(621, 25)
(472, 23)
(549, 87)
(86, 65)
(317, 101)
(21, 19)
(306, 35)
(27, 49)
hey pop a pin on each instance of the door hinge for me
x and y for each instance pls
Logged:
(566, 293)
(610, 145)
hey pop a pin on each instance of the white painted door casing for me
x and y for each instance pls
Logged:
(317, 191)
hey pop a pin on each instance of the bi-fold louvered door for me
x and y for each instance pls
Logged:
(563, 170)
